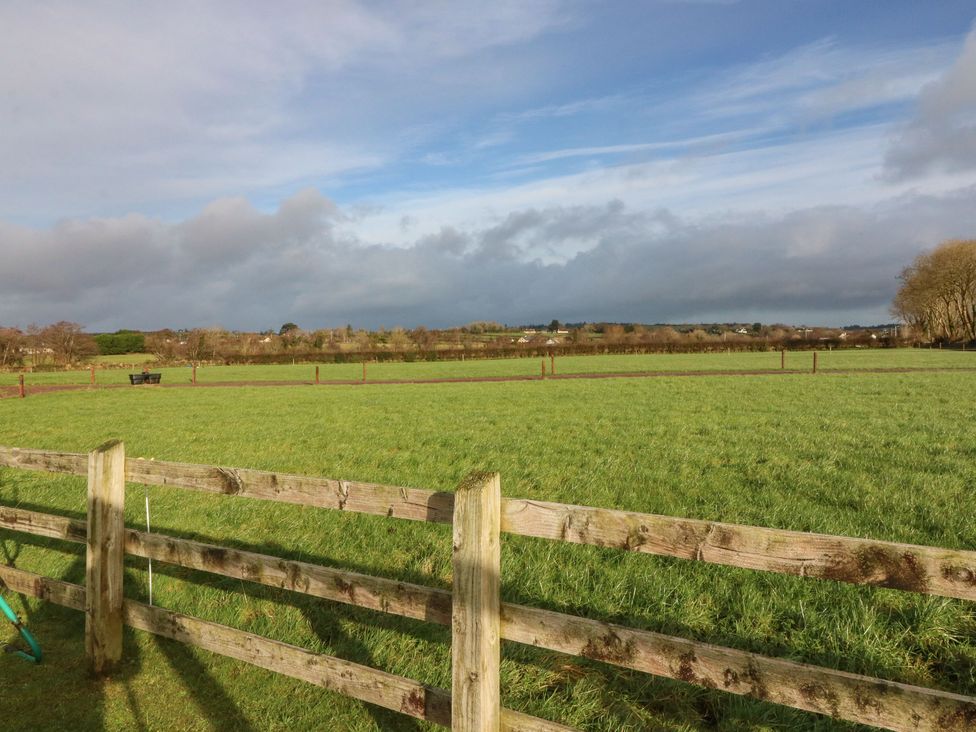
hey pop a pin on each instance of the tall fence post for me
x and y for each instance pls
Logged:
(552, 364)
(814, 362)
(103, 560)
(543, 368)
(782, 359)
(20, 381)
(194, 374)
(93, 375)
(316, 374)
(364, 372)
(475, 623)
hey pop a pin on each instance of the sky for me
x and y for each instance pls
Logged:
(245, 164)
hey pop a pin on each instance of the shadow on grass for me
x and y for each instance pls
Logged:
(61, 693)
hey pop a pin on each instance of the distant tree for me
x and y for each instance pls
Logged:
(938, 293)
(11, 343)
(398, 339)
(756, 327)
(287, 328)
(553, 326)
(204, 344)
(67, 342)
(613, 333)
(121, 341)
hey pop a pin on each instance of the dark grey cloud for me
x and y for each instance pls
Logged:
(238, 267)
(942, 134)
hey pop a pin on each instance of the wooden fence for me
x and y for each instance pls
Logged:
(474, 610)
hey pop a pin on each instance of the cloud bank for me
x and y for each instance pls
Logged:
(238, 267)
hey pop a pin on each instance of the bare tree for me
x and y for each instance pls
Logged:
(11, 343)
(67, 343)
(937, 297)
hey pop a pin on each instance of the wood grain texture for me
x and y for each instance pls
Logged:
(475, 632)
(923, 569)
(825, 691)
(104, 556)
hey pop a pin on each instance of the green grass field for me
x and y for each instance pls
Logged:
(887, 456)
(474, 368)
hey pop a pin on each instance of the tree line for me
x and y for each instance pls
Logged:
(937, 296)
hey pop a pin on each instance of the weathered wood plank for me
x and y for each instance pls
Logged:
(837, 694)
(928, 570)
(475, 642)
(923, 569)
(375, 593)
(43, 524)
(344, 495)
(347, 678)
(104, 556)
(45, 460)
(783, 682)
(43, 588)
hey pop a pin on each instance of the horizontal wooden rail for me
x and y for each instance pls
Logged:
(349, 679)
(407, 503)
(834, 693)
(923, 569)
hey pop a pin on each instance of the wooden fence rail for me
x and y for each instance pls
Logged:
(838, 694)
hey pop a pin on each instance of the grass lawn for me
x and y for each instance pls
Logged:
(887, 456)
(472, 368)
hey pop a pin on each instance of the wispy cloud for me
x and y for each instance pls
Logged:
(704, 142)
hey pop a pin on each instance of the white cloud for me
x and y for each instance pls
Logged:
(942, 134)
(110, 106)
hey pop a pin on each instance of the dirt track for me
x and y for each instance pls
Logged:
(8, 392)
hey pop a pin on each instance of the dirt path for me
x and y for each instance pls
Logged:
(8, 392)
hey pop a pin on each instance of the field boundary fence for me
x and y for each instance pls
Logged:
(474, 611)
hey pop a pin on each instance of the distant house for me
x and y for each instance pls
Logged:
(530, 331)
(742, 331)
(266, 339)
(842, 335)
(523, 339)
(562, 332)
(552, 342)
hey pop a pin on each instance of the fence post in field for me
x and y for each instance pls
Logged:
(20, 382)
(103, 560)
(782, 359)
(316, 374)
(552, 364)
(814, 362)
(93, 375)
(475, 623)
(543, 368)
(194, 374)
(364, 372)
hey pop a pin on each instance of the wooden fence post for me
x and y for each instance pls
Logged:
(93, 375)
(475, 645)
(543, 368)
(782, 359)
(20, 381)
(814, 362)
(316, 374)
(194, 374)
(103, 561)
(364, 372)
(552, 364)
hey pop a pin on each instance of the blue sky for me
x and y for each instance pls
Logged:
(396, 164)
